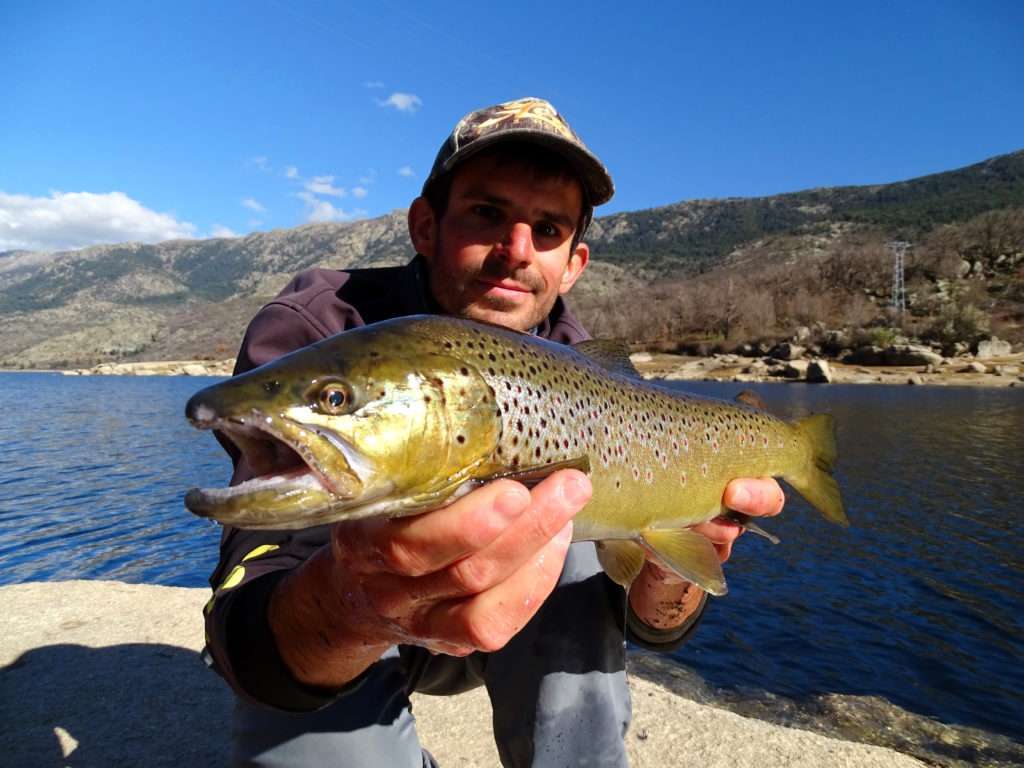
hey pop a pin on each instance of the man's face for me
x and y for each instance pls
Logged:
(502, 252)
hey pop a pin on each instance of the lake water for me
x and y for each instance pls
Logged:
(905, 629)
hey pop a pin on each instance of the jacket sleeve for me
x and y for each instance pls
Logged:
(238, 637)
(252, 563)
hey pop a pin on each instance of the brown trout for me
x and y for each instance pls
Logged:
(406, 415)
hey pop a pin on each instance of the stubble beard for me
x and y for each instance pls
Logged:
(465, 296)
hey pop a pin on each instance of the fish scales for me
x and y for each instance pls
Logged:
(406, 415)
(649, 447)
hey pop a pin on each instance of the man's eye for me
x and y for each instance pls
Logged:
(547, 229)
(487, 212)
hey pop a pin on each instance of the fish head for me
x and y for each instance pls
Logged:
(366, 422)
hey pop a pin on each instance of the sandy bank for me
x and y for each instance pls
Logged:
(1005, 371)
(100, 673)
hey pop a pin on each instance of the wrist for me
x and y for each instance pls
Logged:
(662, 600)
(316, 626)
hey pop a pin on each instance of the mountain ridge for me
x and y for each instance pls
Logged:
(133, 301)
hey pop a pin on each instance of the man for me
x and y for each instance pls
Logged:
(325, 632)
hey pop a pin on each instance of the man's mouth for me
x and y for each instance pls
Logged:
(506, 286)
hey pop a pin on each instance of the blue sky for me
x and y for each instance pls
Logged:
(150, 120)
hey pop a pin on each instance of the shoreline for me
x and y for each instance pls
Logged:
(108, 673)
(1003, 371)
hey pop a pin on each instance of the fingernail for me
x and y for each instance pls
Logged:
(740, 497)
(576, 489)
(511, 504)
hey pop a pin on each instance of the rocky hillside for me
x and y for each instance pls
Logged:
(713, 268)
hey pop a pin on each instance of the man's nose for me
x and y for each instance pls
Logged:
(518, 243)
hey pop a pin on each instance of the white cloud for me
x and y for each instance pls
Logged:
(253, 205)
(219, 230)
(260, 163)
(255, 222)
(291, 172)
(322, 210)
(373, 84)
(406, 170)
(403, 102)
(324, 185)
(369, 178)
(359, 192)
(67, 220)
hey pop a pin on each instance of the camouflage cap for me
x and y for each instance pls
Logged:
(531, 120)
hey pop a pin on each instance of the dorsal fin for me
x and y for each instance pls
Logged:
(751, 398)
(610, 354)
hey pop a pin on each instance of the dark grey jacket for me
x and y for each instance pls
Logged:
(314, 305)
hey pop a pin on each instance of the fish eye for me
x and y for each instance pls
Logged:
(333, 398)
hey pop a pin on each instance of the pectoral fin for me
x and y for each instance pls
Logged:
(692, 556)
(621, 560)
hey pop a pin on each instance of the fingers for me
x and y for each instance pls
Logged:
(466, 577)
(758, 497)
(761, 497)
(553, 503)
(488, 620)
(423, 544)
(721, 533)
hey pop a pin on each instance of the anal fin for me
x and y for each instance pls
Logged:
(690, 555)
(621, 559)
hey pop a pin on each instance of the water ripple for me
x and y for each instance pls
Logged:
(918, 603)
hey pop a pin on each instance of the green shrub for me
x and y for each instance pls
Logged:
(959, 322)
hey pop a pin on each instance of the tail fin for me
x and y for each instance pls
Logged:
(815, 482)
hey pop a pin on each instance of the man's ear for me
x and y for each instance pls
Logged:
(423, 227)
(574, 268)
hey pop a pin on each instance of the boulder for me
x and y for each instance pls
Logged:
(835, 341)
(994, 347)
(915, 380)
(973, 367)
(802, 333)
(757, 368)
(871, 355)
(819, 372)
(795, 369)
(786, 351)
(910, 354)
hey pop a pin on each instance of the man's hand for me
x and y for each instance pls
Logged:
(463, 578)
(661, 599)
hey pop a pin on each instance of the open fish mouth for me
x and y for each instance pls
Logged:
(292, 464)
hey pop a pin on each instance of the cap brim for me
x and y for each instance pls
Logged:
(596, 180)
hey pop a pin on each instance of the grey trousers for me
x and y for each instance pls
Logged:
(558, 692)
